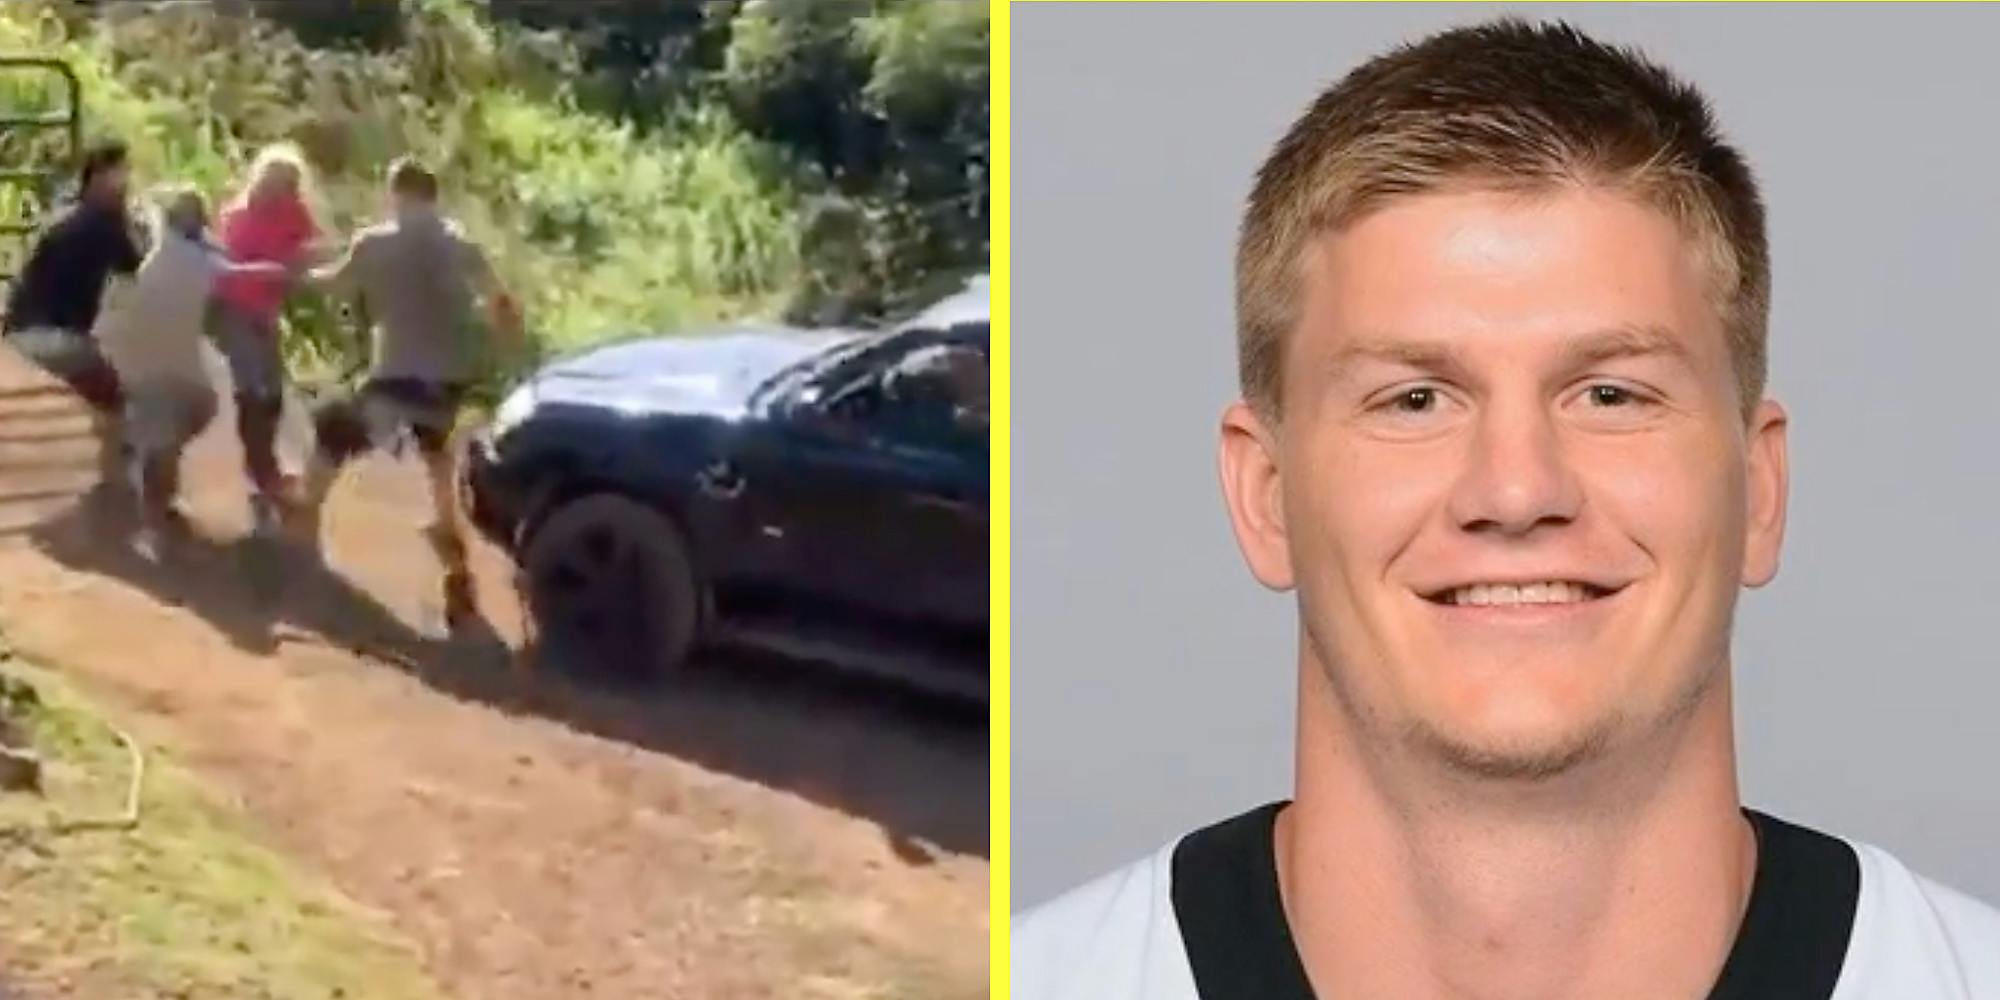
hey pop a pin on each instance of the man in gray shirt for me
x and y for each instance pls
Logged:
(416, 276)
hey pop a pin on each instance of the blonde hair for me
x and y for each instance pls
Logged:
(288, 156)
(1502, 106)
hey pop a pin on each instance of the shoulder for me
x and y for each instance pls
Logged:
(467, 244)
(63, 229)
(1915, 937)
(1114, 937)
(369, 238)
(299, 221)
(235, 225)
(75, 216)
(87, 222)
(113, 230)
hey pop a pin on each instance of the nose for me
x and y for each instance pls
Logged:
(1517, 477)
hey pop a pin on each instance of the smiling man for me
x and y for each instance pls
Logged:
(1502, 301)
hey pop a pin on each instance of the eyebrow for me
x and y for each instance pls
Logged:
(1430, 356)
(1626, 342)
(1588, 349)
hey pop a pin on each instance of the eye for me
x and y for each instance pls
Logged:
(1419, 399)
(1410, 401)
(1411, 408)
(1617, 404)
(1612, 395)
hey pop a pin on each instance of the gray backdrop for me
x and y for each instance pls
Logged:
(1152, 677)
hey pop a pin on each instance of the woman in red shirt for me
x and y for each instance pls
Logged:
(268, 221)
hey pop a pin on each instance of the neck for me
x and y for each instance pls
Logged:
(1626, 877)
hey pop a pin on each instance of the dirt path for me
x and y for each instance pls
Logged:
(758, 830)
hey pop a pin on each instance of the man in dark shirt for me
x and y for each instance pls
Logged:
(54, 302)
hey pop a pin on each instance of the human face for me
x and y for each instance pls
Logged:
(1511, 479)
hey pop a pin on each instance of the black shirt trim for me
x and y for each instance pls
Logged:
(1225, 892)
(1795, 931)
(1792, 943)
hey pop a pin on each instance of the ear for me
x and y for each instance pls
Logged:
(1767, 493)
(1253, 489)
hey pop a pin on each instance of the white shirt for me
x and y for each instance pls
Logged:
(1828, 918)
(152, 326)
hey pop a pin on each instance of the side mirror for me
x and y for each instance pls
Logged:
(973, 421)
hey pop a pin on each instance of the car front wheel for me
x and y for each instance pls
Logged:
(612, 589)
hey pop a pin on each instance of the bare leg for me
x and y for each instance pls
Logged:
(109, 430)
(445, 516)
(447, 534)
(143, 480)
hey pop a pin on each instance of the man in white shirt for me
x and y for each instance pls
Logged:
(1502, 300)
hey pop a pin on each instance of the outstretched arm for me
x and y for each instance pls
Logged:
(261, 268)
(337, 278)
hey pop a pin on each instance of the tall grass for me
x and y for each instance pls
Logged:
(602, 232)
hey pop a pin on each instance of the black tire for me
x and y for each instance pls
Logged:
(612, 589)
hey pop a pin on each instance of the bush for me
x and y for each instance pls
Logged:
(599, 232)
(646, 168)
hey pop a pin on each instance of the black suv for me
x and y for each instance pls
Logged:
(820, 493)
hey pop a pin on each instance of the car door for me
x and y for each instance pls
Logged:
(932, 481)
(876, 504)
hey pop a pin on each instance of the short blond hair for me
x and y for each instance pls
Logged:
(1502, 106)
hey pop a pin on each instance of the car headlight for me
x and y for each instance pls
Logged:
(517, 407)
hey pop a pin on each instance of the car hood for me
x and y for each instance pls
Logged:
(711, 374)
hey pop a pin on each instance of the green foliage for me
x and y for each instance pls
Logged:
(365, 24)
(880, 106)
(887, 101)
(632, 166)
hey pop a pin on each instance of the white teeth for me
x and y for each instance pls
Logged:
(1510, 595)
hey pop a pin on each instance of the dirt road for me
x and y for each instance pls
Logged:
(756, 830)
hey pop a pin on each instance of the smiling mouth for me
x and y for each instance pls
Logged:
(1510, 595)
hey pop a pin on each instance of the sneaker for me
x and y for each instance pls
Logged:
(147, 543)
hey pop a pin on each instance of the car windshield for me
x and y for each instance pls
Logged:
(787, 381)
(952, 311)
